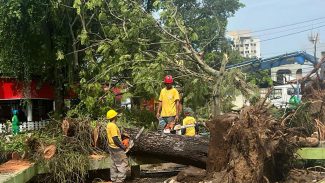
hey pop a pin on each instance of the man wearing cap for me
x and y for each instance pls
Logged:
(189, 123)
(116, 149)
(168, 108)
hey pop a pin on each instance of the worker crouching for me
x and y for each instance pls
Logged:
(190, 127)
(116, 149)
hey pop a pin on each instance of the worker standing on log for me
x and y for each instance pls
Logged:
(189, 123)
(116, 149)
(168, 108)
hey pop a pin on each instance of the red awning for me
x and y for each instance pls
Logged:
(11, 89)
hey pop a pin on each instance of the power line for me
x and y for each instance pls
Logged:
(291, 34)
(282, 26)
(289, 24)
(311, 48)
(294, 28)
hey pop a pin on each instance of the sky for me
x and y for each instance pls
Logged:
(281, 15)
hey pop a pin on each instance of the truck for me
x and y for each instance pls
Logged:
(281, 94)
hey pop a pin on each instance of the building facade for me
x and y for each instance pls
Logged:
(247, 45)
(33, 100)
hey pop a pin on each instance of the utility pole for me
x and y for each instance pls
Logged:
(314, 40)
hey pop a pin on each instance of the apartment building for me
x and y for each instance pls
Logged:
(247, 45)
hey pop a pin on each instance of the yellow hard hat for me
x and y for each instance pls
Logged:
(111, 114)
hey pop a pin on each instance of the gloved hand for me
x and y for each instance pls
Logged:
(131, 144)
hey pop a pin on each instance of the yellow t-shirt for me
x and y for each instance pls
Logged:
(112, 131)
(168, 99)
(190, 131)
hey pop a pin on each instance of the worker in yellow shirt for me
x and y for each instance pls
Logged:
(116, 149)
(168, 108)
(189, 123)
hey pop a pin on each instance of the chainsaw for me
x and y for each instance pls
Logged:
(177, 128)
(130, 143)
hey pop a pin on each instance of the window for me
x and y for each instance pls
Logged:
(282, 76)
(299, 74)
(246, 51)
(276, 94)
(291, 91)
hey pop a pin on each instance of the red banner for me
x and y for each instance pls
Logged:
(11, 89)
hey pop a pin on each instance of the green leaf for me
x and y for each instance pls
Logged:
(156, 4)
(194, 36)
(83, 37)
(77, 4)
(59, 55)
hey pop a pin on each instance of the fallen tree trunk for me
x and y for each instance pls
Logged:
(175, 148)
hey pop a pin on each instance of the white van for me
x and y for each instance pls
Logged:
(281, 94)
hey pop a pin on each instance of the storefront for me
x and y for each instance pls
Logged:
(33, 100)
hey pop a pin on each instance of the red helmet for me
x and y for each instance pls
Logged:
(168, 79)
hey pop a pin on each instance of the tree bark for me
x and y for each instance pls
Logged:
(174, 148)
(59, 93)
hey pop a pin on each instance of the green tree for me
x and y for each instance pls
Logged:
(123, 44)
(127, 44)
(260, 78)
(34, 35)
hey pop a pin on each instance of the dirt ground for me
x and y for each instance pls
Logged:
(148, 180)
(302, 176)
(14, 165)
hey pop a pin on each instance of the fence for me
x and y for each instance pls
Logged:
(26, 126)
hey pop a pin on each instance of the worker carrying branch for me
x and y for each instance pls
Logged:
(168, 108)
(116, 149)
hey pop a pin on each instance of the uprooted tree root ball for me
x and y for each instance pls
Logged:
(243, 152)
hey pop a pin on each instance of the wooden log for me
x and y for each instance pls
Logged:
(171, 147)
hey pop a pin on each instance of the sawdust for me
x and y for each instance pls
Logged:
(14, 166)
